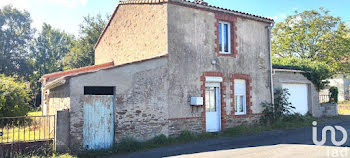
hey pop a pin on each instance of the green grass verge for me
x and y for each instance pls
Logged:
(131, 145)
(344, 108)
(35, 113)
(32, 129)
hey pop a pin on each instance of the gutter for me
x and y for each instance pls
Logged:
(270, 52)
(287, 70)
(55, 83)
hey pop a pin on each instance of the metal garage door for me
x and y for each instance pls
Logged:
(298, 97)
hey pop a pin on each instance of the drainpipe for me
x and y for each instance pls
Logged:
(268, 28)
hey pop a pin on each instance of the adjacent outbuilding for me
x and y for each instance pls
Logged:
(304, 95)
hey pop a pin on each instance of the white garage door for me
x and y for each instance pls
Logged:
(298, 97)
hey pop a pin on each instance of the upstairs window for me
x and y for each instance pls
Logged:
(224, 37)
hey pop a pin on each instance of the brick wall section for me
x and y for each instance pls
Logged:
(242, 120)
(223, 102)
(249, 104)
(233, 29)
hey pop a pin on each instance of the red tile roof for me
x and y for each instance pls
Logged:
(89, 69)
(79, 70)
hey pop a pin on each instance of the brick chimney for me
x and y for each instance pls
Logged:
(200, 2)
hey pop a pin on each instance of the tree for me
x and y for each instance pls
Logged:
(14, 97)
(15, 36)
(82, 53)
(313, 35)
(47, 52)
(317, 72)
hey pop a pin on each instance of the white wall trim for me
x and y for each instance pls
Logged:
(213, 79)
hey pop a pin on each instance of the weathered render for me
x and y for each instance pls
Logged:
(140, 105)
(192, 50)
(58, 99)
(135, 32)
(280, 77)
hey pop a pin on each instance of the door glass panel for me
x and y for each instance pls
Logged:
(210, 99)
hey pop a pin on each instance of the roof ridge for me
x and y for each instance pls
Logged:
(184, 2)
(193, 2)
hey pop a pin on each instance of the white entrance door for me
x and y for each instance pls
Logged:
(298, 97)
(212, 107)
(98, 121)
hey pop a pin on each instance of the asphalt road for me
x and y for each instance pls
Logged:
(279, 143)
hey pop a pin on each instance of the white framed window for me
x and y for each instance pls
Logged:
(240, 97)
(224, 37)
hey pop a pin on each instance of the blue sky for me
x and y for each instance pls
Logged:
(68, 14)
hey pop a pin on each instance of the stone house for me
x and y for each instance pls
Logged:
(162, 67)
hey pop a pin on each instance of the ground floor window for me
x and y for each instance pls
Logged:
(240, 96)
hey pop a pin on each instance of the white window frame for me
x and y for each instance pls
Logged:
(244, 94)
(222, 36)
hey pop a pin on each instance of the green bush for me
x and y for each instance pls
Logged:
(333, 91)
(316, 72)
(14, 97)
(280, 108)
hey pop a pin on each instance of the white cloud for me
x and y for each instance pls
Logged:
(283, 16)
(279, 17)
(69, 3)
(21, 4)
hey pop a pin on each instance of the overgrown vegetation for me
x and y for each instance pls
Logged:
(44, 149)
(333, 91)
(14, 97)
(313, 35)
(82, 53)
(26, 54)
(317, 72)
(279, 109)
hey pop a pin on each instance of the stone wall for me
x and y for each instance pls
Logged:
(280, 77)
(176, 126)
(141, 104)
(329, 109)
(136, 32)
(237, 120)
